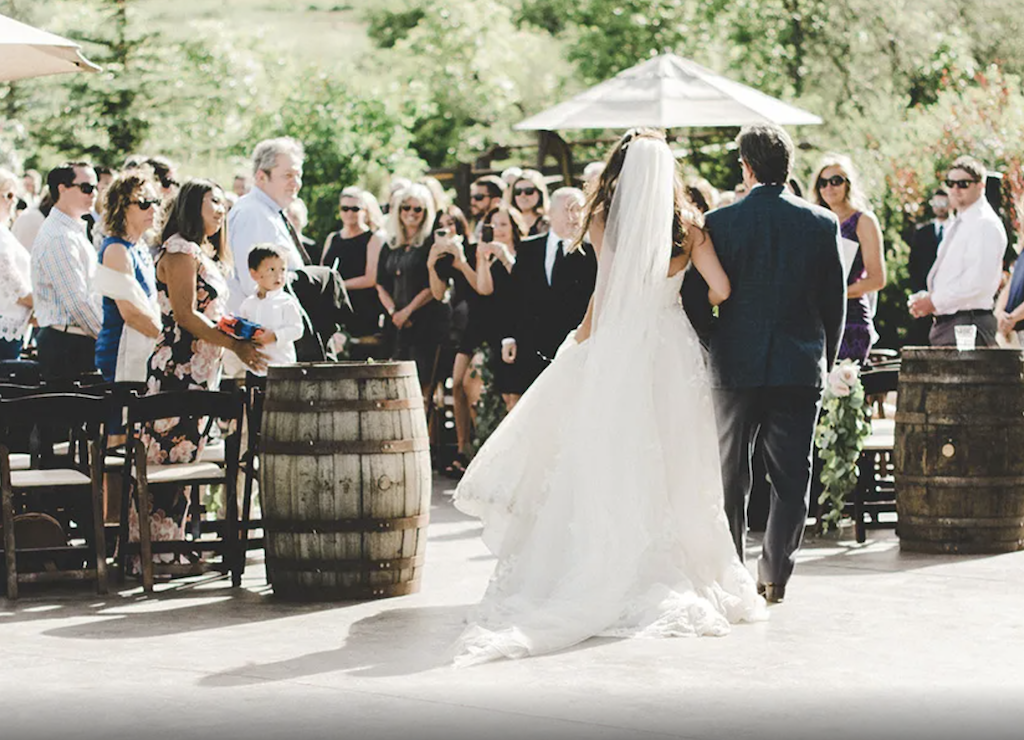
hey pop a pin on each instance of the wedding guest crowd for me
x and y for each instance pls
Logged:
(486, 291)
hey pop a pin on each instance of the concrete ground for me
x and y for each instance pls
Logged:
(871, 643)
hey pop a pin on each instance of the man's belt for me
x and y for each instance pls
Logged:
(70, 329)
(971, 312)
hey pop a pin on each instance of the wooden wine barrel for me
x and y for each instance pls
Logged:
(959, 451)
(344, 480)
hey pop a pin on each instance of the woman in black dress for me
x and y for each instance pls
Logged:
(494, 307)
(354, 251)
(452, 270)
(419, 324)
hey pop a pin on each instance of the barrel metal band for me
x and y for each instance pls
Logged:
(344, 447)
(345, 593)
(960, 481)
(342, 404)
(312, 526)
(968, 522)
(964, 420)
(342, 371)
(316, 565)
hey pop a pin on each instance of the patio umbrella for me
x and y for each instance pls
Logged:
(667, 92)
(30, 52)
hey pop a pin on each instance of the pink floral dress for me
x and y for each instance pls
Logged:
(180, 361)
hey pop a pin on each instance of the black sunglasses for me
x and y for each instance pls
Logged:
(478, 196)
(350, 209)
(961, 184)
(414, 209)
(526, 191)
(835, 181)
(146, 204)
(86, 187)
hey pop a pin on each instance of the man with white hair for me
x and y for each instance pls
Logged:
(259, 216)
(552, 286)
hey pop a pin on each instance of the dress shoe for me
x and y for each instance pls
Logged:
(773, 593)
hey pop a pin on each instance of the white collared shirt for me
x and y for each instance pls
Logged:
(63, 267)
(279, 312)
(969, 263)
(256, 219)
(551, 253)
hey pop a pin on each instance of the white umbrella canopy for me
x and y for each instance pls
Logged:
(667, 92)
(26, 51)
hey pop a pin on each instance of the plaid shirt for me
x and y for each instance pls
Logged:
(63, 266)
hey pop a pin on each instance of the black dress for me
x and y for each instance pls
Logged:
(463, 300)
(348, 257)
(402, 272)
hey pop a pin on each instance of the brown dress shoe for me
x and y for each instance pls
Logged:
(773, 593)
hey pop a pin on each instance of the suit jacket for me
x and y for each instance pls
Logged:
(784, 319)
(321, 293)
(924, 246)
(539, 316)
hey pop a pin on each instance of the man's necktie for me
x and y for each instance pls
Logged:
(296, 240)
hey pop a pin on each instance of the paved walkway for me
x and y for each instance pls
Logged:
(871, 643)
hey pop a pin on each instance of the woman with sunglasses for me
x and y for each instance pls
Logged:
(354, 251)
(15, 275)
(835, 187)
(130, 208)
(529, 196)
(417, 324)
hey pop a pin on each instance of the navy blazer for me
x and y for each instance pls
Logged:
(784, 318)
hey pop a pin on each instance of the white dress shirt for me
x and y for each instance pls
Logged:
(969, 264)
(63, 266)
(551, 253)
(279, 313)
(256, 219)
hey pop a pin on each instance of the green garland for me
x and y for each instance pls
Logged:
(844, 423)
(490, 409)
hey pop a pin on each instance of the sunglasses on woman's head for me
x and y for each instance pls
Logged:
(350, 209)
(526, 191)
(414, 209)
(145, 204)
(961, 184)
(86, 187)
(835, 181)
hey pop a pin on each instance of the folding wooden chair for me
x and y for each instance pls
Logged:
(85, 417)
(193, 405)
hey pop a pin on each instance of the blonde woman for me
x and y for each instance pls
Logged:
(529, 196)
(354, 251)
(835, 186)
(417, 323)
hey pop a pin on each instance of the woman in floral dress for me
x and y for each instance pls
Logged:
(192, 293)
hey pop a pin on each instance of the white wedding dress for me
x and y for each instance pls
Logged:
(601, 492)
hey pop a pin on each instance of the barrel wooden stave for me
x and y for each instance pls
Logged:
(338, 486)
(959, 438)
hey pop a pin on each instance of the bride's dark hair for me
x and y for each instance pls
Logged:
(601, 190)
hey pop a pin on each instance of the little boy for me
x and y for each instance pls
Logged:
(277, 312)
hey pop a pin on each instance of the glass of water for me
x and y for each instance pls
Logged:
(966, 337)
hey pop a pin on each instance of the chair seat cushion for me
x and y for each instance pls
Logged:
(20, 461)
(213, 452)
(45, 478)
(180, 473)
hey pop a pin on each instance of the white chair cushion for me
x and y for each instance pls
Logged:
(20, 461)
(43, 478)
(213, 452)
(185, 472)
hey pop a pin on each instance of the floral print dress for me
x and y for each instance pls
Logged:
(179, 362)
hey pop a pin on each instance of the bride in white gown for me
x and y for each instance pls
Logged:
(601, 492)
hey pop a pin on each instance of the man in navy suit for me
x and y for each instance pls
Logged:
(772, 343)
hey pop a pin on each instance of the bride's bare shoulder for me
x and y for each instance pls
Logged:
(678, 263)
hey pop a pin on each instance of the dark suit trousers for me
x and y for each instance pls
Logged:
(65, 356)
(783, 419)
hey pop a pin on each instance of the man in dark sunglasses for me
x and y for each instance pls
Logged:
(962, 284)
(484, 194)
(63, 266)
